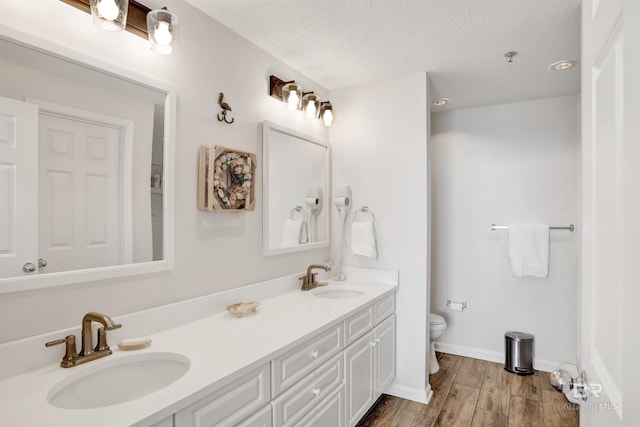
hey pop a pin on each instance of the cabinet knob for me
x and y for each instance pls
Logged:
(372, 343)
(316, 392)
(315, 354)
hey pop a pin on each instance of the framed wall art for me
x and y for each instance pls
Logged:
(226, 179)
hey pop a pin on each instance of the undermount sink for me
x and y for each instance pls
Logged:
(118, 380)
(337, 292)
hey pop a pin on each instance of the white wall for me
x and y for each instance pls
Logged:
(513, 163)
(214, 250)
(379, 143)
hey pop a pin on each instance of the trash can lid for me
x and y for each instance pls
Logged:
(519, 336)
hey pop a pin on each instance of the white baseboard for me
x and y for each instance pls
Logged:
(492, 356)
(410, 393)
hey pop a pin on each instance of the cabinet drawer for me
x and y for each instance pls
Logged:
(384, 308)
(295, 364)
(358, 325)
(230, 404)
(297, 401)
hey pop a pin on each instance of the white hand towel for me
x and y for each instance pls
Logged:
(529, 249)
(363, 239)
(291, 233)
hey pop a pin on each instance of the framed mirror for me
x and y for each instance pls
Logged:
(86, 179)
(296, 183)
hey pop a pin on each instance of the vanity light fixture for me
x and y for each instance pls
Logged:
(292, 95)
(115, 15)
(163, 28)
(110, 15)
(326, 113)
(294, 98)
(439, 102)
(562, 65)
(311, 105)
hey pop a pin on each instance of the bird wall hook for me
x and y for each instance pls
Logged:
(222, 116)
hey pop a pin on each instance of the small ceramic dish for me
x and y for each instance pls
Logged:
(242, 308)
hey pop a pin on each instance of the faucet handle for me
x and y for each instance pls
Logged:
(101, 344)
(70, 353)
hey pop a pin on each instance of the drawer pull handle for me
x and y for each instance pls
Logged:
(315, 354)
(316, 392)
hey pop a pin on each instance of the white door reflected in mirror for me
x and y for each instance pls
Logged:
(296, 174)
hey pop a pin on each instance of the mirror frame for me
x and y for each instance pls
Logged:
(267, 126)
(49, 280)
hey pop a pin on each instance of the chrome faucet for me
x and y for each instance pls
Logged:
(309, 280)
(88, 352)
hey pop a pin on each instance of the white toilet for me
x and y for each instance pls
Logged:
(437, 326)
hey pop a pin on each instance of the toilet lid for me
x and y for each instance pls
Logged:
(435, 319)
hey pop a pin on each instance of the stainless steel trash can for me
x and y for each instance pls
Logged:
(518, 348)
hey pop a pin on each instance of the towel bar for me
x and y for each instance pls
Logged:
(571, 227)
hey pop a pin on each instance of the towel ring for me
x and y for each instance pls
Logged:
(365, 211)
(298, 209)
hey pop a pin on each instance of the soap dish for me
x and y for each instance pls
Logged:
(134, 343)
(242, 308)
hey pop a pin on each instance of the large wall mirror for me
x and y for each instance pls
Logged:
(296, 175)
(85, 171)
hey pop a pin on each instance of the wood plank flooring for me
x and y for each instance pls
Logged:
(471, 392)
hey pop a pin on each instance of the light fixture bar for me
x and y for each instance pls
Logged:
(136, 17)
(275, 87)
(280, 89)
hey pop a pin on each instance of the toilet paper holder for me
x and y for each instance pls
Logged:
(456, 305)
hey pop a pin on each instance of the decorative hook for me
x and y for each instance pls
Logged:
(222, 116)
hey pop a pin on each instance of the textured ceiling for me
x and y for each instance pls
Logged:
(460, 43)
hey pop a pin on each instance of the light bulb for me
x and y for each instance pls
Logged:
(163, 34)
(293, 101)
(108, 9)
(327, 117)
(311, 109)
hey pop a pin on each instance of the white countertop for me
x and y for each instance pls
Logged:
(218, 347)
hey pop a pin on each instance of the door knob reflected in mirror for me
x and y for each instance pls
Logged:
(28, 267)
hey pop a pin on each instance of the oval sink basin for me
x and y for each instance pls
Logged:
(338, 292)
(118, 380)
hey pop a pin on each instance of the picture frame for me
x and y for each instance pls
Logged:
(226, 179)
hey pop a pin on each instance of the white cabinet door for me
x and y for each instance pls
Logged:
(359, 378)
(328, 413)
(18, 187)
(385, 354)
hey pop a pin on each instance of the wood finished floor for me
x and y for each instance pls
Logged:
(471, 392)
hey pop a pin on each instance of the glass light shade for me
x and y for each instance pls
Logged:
(326, 113)
(292, 95)
(163, 29)
(311, 105)
(110, 15)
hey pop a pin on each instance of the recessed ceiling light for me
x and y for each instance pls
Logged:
(562, 65)
(439, 102)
